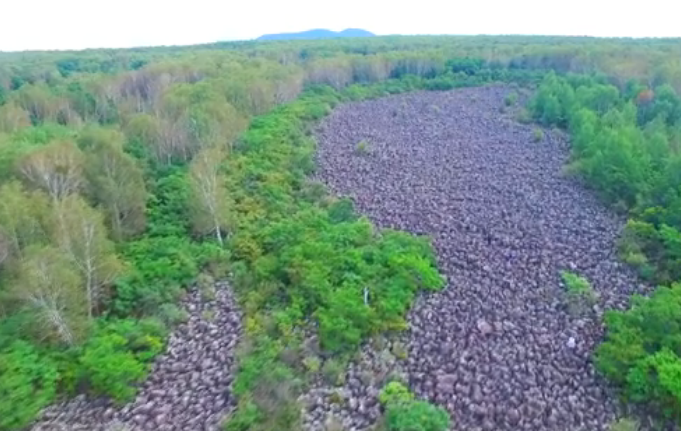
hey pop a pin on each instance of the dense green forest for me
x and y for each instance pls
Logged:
(126, 175)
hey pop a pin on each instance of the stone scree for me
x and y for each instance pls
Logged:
(498, 348)
(189, 388)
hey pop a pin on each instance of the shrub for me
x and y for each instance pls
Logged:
(28, 382)
(639, 351)
(403, 413)
(580, 295)
(624, 424)
(333, 371)
(395, 392)
(172, 315)
(115, 358)
(244, 418)
(400, 350)
(312, 364)
(537, 135)
(206, 285)
(416, 416)
(362, 147)
(110, 368)
(511, 98)
(523, 116)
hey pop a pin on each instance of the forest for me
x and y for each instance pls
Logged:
(129, 176)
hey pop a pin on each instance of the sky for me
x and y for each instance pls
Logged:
(79, 24)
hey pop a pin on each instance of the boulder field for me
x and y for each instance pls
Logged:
(499, 347)
(189, 387)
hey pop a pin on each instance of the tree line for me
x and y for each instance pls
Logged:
(626, 145)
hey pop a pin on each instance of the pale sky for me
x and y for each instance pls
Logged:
(78, 24)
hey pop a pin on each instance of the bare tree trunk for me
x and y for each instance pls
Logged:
(218, 231)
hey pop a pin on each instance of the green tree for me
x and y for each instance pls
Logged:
(24, 217)
(57, 168)
(48, 286)
(82, 237)
(416, 416)
(13, 118)
(115, 181)
(209, 206)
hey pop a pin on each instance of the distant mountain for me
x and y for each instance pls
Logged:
(319, 33)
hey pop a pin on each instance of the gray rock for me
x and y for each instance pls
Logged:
(484, 327)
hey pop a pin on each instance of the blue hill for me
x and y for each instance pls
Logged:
(319, 33)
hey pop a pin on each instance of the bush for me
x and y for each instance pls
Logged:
(244, 418)
(395, 392)
(206, 286)
(624, 424)
(400, 350)
(172, 315)
(333, 371)
(511, 99)
(639, 351)
(110, 368)
(312, 364)
(28, 382)
(115, 358)
(416, 416)
(362, 147)
(524, 116)
(580, 295)
(537, 135)
(403, 413)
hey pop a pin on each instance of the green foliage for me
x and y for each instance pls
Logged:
(28, 382)
(362, 147)
(116, 357)
(640, 350)
(537, 134)
(172, 315)
(300, 259)
(624, 424)
(267, 389)
(395, 392)
(579, 293)
(333, 371)
(416, 416)
(524, 116)
(400, 350)
(312, 363)
(404, 413)
(625, 148)
(511, 99)
(110, 368)
(246, 417)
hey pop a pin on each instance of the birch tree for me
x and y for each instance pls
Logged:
(13, 118)
(209, 205)
(23, 218)
(49, 286)
(116, 182)
(81, 235)
(56, 168)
